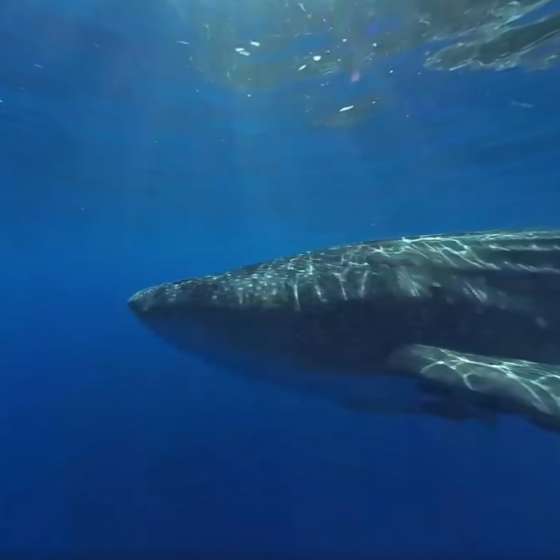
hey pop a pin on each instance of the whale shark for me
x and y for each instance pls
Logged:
(471, 321)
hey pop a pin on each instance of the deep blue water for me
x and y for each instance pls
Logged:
(120, 167)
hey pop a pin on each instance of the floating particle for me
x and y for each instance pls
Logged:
(522, 104)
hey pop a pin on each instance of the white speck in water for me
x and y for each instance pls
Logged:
(522, 104)
(347, 108)
(255, 43)
(317, 57)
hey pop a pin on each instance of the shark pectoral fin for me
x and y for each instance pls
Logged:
(512, 384)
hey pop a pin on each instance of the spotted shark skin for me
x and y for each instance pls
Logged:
(475, 316)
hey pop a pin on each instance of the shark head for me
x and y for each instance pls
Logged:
(189, 296)
(245, 312)
(250, 289)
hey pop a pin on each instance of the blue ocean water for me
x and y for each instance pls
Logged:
(122, 166)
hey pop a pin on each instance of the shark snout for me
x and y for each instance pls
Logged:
(167, 298)
(148, 300)
(137, 302)
(192, 296)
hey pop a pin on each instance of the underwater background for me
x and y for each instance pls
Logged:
(124, 162)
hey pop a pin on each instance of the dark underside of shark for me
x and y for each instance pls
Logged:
(472, 321)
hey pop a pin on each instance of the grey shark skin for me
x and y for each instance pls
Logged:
(473, 320)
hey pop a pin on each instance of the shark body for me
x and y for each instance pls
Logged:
(472, 319)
